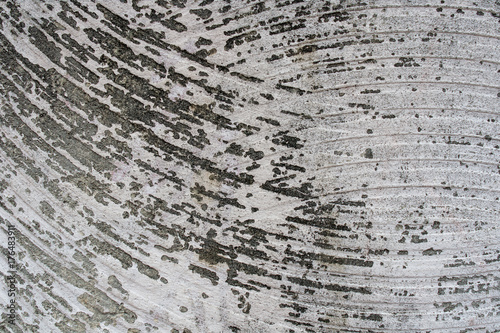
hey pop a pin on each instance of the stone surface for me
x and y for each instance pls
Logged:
(246, 166)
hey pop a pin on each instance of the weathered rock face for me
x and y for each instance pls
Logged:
(244, 166)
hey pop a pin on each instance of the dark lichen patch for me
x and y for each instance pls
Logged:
(254, 154)
(417, 239)
(206, 273)
(47, 209)
(406, 62)
(282, 138)
(203, 42)
(201, 13)
(115, 283)
(269, 121)
(368, 153)
(235, 149)
(242, 38)
(431, 252)
(370, 91)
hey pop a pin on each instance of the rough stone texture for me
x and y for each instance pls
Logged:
(246, 166)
